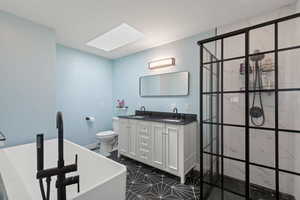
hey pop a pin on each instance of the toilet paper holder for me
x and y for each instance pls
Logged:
(2, 136)
(2, 139)
(91, 119)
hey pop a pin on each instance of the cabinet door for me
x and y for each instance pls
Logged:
(144, 141)
(132, 138)
(172, 155)
(123, 136)
(158, 144)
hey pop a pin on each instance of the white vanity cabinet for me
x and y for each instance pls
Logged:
(172, 146)
(132, 140)
(128, 137)
(169, 147)
(144, 141)
(123, 138)
(158, 144)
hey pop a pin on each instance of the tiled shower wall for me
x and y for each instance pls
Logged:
(262, 142)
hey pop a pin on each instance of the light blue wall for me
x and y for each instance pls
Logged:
(38, 77)
(83, 88)
(27, 79)
(127, 70)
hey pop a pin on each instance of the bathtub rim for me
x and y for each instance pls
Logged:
(123, 168)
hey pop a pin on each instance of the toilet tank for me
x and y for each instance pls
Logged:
(116, 125)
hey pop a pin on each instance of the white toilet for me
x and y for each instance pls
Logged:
(108, 139)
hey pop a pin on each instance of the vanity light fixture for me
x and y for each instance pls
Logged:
(166, 62)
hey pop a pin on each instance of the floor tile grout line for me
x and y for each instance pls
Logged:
(164, 185)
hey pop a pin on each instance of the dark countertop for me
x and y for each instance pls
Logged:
(164, 117)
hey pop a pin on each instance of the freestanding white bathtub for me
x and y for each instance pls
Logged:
(100, 177)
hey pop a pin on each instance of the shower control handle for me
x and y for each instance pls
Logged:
(71, 181)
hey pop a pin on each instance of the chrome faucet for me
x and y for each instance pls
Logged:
(175, 110)
(176, 115)
(143, 108)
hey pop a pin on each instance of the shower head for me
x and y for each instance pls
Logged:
(257, 57)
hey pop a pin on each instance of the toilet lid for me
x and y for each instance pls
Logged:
(105, 133)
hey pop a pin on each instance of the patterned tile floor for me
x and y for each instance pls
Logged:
(147, 183)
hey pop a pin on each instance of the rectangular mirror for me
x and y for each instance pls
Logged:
(169, 84)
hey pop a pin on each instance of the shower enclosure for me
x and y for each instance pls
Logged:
(250, 112)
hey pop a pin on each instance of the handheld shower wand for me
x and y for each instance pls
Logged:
(257, 111)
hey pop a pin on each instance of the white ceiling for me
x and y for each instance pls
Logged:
(162, 21)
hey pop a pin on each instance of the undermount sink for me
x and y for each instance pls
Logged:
(173, 120)
(137, 116)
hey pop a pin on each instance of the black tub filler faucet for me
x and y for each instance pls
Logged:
(60, 171)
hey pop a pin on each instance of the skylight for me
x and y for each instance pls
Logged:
(115, 38)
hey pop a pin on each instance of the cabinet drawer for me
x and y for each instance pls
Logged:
(144, 131)
(145, 142)
(144, 154)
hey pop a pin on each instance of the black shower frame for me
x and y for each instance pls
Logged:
(247, 91)
(212, 116)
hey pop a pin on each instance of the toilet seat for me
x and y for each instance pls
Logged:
(107, 140)
(106, 134)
